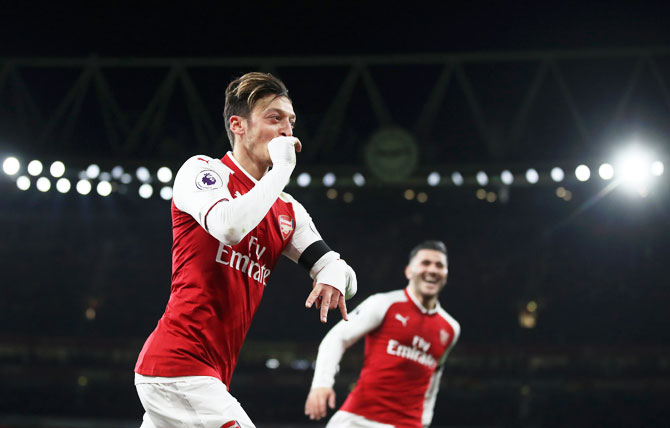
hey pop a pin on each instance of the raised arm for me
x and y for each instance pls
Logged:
(201, 189)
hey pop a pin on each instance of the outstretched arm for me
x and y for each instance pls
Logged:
(367, 317)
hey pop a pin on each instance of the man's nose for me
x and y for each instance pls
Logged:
(286, 128)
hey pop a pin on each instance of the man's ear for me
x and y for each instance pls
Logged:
(407, 274)
(238, 125)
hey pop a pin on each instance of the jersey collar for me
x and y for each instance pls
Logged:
(419, 306)
(232, 163)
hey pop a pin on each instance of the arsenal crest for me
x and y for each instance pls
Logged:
(286, 225)
(444, 337)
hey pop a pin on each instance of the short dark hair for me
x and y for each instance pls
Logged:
(428, 245)
(243, 93)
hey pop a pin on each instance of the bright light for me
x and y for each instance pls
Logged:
(657, 168)
(57, 169)
(359, 179)
(104, 188)
(43, 184)
(457, 178)
(143, 174)
(117, 172)
(532, 176)
(482, 178)
(506, 177)
(126, 178)
(633, 167)
(582, 172)
(557, 174)
(105, 176)
(164, 174)
(329, 179)
(23, 182)
(434, 178)
(272, 363)
(606, 171)
(83, 187)
(146, 191)
(35, 167)
(63, 185)
(304, 179)
(166, 193)
(11, 165)
(93, 171)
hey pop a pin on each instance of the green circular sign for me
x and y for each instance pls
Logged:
(392, 154)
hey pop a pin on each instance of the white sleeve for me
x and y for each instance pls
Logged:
(329, 268)
(305, 233)
(365, 318)
(434, 386)
(201, 190)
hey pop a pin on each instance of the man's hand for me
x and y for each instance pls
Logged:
(327, 297)
(315, 406)
(282, 150)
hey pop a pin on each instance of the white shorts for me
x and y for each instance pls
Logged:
(189, 401)
(342, 419)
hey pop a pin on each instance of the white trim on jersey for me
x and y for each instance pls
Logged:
(232, 221)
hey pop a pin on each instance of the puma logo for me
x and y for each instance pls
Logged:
(402, 319)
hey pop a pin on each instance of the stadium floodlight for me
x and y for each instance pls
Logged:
(105, 176)
(507, 177)
(35, 168)
(482, 178)
(304, 179)
(657, 168)
(164, 174)
(532, 176)
(84, 187)
(606, 171)
(126, 178)
(23, 182)
(93, 171)
(43, 184)
(582, 172)
(63, 185)
(329, 179)
(57, 169)
(146, 191)
(434, 178)
(104, 188)
(117, 172)
(557, 174)
(457, 178)
(143, 174)
(272, 363)
(359, 179)
(166, 193)
(11, 165)
(633, 168)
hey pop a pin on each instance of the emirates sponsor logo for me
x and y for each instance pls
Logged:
(286, 225)
(418, 352)
(244, 263)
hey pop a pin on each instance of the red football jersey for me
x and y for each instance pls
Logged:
(404, 346)
(216, 288)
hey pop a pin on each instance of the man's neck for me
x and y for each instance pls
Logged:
(427, 302)
(251, 167)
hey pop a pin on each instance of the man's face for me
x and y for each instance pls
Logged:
(427, 272)
(271, 117)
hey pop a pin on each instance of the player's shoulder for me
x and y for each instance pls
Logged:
(388, 298)
(286, 197)
(201, 161)
(449, 319)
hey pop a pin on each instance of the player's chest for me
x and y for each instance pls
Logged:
(415, 330)
(270, 237)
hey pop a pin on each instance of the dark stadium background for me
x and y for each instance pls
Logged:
(595, 263)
